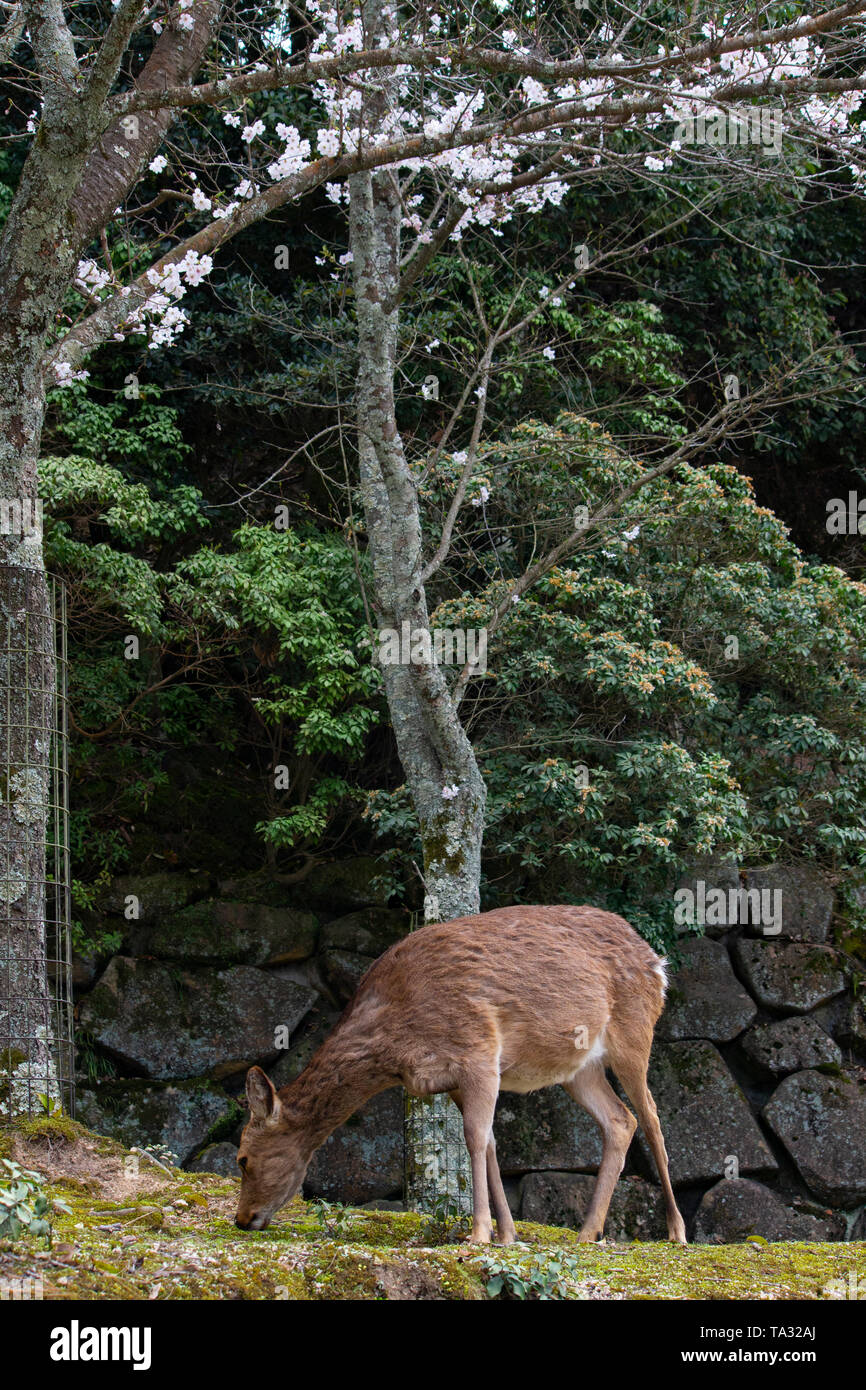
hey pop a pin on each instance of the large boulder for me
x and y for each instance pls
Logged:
(710, 882)
(821, 1120)
(851, 1027)
(180, 1115)
(157, 895)
(545, 1129)
(318, 1024)
(343, 972)
(168, 1022)
(343, 886)
(787, 976)
(256, 888)
(636, 1212)
(219, 1158)
(363, 1159)
(805, 897)
(704, 1116)
(368, 932)
(791, 1044)
(844, 1018)
(737, 1208)
(705, 999)
(216, 932)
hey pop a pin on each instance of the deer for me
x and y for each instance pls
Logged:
(514, 1000)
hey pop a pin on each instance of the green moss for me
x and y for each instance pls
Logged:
(121, 1247)
(58, 1129)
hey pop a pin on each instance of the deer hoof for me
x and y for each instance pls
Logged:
(480, 1235)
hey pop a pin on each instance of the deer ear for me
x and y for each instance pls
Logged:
(263, 1099)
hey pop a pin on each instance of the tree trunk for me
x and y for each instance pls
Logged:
(433, 747)
(26, 716)
(37, 261)
(70, 182)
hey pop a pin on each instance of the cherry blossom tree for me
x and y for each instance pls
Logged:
(431, 122)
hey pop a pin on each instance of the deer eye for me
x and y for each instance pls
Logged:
(242, 1163)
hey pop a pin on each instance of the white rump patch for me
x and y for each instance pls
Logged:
(661, 969)
(596, 1052)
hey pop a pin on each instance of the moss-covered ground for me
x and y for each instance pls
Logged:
(136, 1231)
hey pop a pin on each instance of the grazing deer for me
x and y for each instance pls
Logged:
(510, 1000)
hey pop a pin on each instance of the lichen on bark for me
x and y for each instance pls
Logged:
(431, 741)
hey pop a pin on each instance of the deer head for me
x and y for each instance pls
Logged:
(273, 1155)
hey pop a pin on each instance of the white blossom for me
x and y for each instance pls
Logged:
(65, 375)
(328, 142)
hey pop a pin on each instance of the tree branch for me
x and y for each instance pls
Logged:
(493, 62)
(11, 33)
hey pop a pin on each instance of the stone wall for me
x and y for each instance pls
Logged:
(757, 1070)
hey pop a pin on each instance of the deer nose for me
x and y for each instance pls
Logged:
(245, 1224)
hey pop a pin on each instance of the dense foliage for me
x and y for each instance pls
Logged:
(690, 685)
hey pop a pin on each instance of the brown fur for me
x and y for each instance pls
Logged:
(512, 1000)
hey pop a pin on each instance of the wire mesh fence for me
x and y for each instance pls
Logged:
(36, 1018)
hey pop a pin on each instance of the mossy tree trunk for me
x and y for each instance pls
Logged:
(37, 260)
(75, 174)
(433, 747)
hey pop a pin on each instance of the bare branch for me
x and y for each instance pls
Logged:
(106, 64)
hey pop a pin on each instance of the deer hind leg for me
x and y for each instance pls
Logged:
(476, 1100)
(632, 1072)
(505, 1232)
(591, 1089)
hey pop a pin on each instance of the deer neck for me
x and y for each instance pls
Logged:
(339, 1078)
